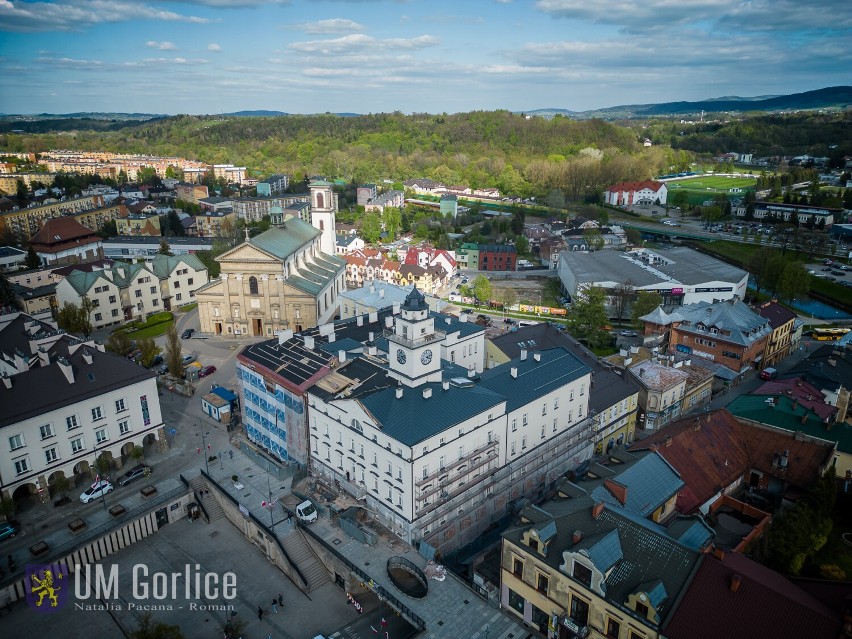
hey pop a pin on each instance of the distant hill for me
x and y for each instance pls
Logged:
(254, 114)
(838, 97)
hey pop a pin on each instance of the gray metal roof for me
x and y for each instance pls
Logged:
(285, 240)
(744, 325)
(535, 379)
(649, 482)
(604, 550)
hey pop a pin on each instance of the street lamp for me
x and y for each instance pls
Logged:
(204, 448)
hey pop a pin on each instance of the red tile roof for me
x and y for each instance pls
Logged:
(710, 452)
(802, 392)
(636, 186)
(765, 605)
(60, 233)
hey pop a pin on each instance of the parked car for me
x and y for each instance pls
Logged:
(467, 310)
(306, 512)
(840, 273)
(187, 333)
(768, 373)
(188, 359)
(158, 359)
(9, 529)
(164, 368)
(207, 370)
(101, 487)
(141, 470)
(628, 333)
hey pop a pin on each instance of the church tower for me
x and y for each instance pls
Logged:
(414, 346)
(323, 208)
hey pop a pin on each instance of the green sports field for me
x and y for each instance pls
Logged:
(706, 186)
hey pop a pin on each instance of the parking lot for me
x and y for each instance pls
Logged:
(832, 271)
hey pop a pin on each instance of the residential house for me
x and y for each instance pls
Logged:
(193, 193)
(424, 186)
(391, 198)
(468, 255)
(366, 193)
(139, 224)
(348, 242)
(273, 185)
(101, 406)
(646, 192)
(497, 257)
(375, 296)
(230, 173)
(216, 204)
(780, 343)
(829, 368)
(63, 240)
(449, 205)
(11, 258)
(256, 208)
(217, 223)
(549, 251)
(661, 392)
(37, 300)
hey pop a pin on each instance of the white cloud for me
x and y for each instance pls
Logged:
(359, 41)
(213, 47)
(332, 25)
(73, 15)
(235, 4)
(161, 46)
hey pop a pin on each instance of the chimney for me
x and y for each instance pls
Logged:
(785, 457)
(523, 354)
(399, 392)
(448, 321)
(471, 373)
(87, 356)
(341, 356)
(372, 288)
(804, 418)
(389, 322)
(619, 491)
(736, 580)
(309, 342)
(667, 441)
(20, 363)
(359, 320)
(396, 309)
(7, 381)
(427, 393)
(372, 336)
(719, 554)
(372, 350)
(597, 509)
(577, 537)
(514, 372)
(463, 317)
(641, 372)
(283, 336)
(373, 316)
(43, 357)
(65, 367)
(537, 357)
(331, 337)
(382, 294)
(445, 385)
(654, 448)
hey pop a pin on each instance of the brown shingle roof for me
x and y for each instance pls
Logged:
(776, 314)
(765, 604)
(61, 232)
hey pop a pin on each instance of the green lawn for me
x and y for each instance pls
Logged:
(706, 182)
(189, 307)
(154, 326)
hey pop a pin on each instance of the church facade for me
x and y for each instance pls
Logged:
(279, 280)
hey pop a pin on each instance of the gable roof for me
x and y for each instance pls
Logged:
(745, 326)
(283, 241)
(777, 314)
(60, 233)
(648, 484)
(765, 604)
(164, 265)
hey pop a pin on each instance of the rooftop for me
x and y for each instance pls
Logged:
(657, 377)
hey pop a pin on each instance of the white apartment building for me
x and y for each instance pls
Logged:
(99, 405)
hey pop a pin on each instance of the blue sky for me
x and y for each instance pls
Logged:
(368, 56)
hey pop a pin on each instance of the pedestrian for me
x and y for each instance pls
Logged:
(280, 600)
(274, 606)
(259, 613)
(231, 454)
(289, 516)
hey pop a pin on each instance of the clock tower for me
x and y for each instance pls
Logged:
(414, 346)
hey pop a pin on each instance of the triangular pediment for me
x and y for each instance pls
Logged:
(246, 252)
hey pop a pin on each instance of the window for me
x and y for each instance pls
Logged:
(579, 610)
(544, 408)
(155, 302)
(513, 448)
(425, 471)
(525, 419)
(101, 435)
(542, 583)
(542, 431)
(571, 395)
(524, 442)
(153, 289)
(582, 574)
(124, 426)
(612, 628)
(138, 292)
(441, 462)
(641, 610)
(635, 635)
(77, 445)
(97, 413)
(16, 442)
(390, 469)
(96, 303)
(119, 405)
(98, 317)
(71, 422)
(516, 602)
(555, 403)
(50, 455)
(517, 566)
(46, 431)
(514, 424)
(22, 466)
(582, 389)
(177, 284)
(115, 312)
(554, 425)
(112, 299)
(252, 285)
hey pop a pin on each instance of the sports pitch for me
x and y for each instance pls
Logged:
(711, 182)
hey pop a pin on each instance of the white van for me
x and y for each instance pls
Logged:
(306, 512)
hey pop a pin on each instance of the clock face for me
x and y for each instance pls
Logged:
(426, 357)
(400, 356)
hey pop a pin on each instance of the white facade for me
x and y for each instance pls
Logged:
(323, 210)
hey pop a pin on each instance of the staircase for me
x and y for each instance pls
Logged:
(306, 559)
(210, 503)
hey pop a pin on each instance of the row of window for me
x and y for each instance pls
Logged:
(46, 431)
(78, 445)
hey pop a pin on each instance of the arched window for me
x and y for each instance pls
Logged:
(320, 201)
(253, 285)
(322, 226)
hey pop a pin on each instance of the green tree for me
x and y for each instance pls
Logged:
(119, 343)
(371, 228)
(149, 350)
(621, 295)
(173, 358)
(757, 265)
(138, 453)
(174, 224)
(32, 260)
(795, 281)
(555, 199)
(588, 317)
(680, 199)
(22, 193)
(634, 236)
(165, 249)
(150, 629)
(522, 245)
(482, 289)
(507, 297)
(76, 319)
(646, 301)
(8, 297)
(392, 220)
(108, 229)
(594, 238)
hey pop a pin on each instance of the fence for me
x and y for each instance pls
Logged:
(395, 603)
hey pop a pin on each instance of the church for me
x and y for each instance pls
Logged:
(285, 278)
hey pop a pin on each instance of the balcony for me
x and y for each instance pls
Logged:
(423, 340)
(487, 451)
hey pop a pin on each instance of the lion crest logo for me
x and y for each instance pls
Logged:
(46, 586)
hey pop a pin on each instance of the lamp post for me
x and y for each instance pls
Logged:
(204, 448)
(269, 498)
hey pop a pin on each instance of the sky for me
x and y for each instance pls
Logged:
(435, 56)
